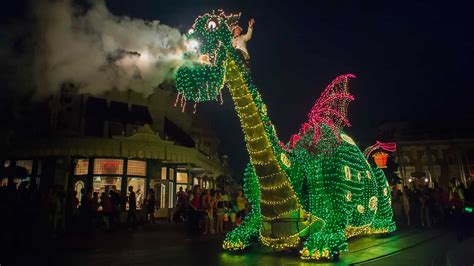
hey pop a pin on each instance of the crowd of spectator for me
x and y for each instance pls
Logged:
(26, 211)
(210, 211)
(432, 206)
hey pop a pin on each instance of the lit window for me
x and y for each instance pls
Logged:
(105, 183)
(163, 196)
(171, 174)
(181, 181)
(78, 186)
(182, 178)
(108, 166)
(171, 195)
(163, 173)
(82, 167)
(138, 185)
(137, 168)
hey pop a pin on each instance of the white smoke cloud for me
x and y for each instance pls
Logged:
(98, 51)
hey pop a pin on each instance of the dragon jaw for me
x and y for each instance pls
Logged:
(202, 77)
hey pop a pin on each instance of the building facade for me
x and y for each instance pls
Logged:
(114, 140)
(432, 152)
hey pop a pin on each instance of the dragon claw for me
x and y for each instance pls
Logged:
(315, 254)
(228, 245)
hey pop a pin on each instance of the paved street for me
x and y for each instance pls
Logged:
(165, 244)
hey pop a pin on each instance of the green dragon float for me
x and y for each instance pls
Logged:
(312, 193)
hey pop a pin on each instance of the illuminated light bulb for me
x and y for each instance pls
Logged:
(410, 180)
(426, 179)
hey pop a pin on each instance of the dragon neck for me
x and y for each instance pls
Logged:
(277, 196)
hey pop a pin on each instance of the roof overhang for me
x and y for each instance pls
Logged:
(140, 145)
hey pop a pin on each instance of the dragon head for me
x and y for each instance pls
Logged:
(209, 40)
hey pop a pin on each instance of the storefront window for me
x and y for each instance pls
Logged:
(138, 184)
(163, 173)
(182, 178)
(163, 196)
(108, 166)
(136, 168)
(195, 181)
(171, 176)
(81, 167)
(78, 186)
(181, 181)
(171, 195)
(105, 183)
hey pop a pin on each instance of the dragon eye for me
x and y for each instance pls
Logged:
(190, 31)
(211, 25)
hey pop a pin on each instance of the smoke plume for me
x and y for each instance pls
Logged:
(98, 51)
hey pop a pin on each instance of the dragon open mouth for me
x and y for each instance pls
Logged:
(202, 78)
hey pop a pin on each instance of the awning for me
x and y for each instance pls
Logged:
(144, 144)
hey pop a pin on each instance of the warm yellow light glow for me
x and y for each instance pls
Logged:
(284, 160)
(347, 139)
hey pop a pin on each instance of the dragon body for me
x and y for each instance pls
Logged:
(312, 193)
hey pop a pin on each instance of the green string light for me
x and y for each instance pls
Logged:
(331, 187)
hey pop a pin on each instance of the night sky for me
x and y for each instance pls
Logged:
(413, 59)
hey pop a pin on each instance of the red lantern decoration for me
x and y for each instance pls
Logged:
(380, 159)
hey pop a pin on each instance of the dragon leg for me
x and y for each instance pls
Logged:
(326, 203)
(240, 237)
(330, 240)
(326, 243)
(383, 220)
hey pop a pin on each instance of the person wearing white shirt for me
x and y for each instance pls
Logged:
(239, 42)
